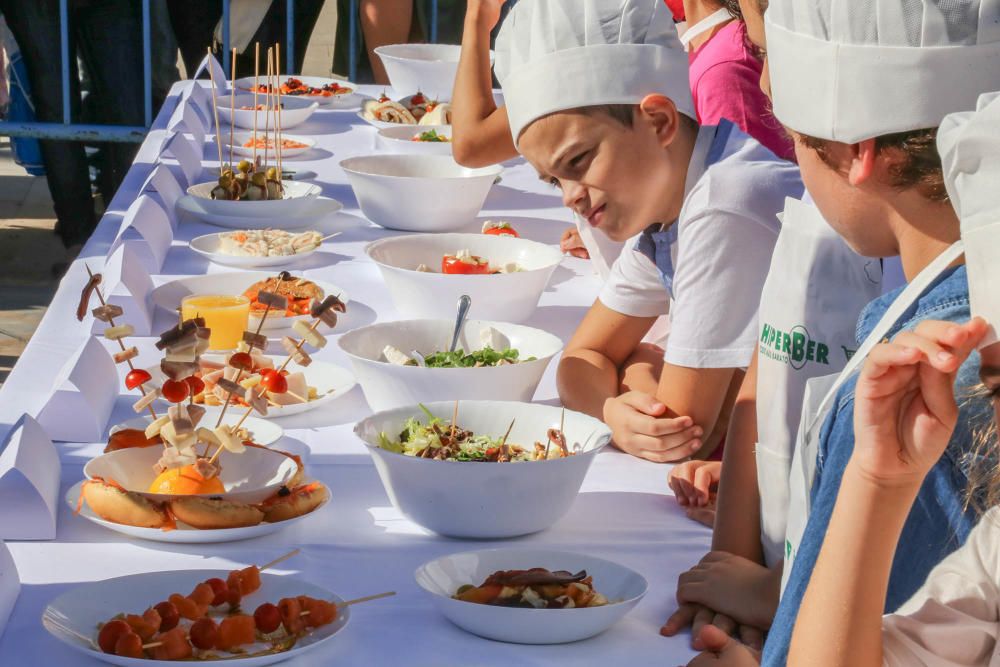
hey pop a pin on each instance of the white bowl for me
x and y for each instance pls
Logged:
(428, 68)
(240, 138)
(294, 111)
(316, 211)
(399, 139)
(486, 500)
(299, 197)
(208, 246)
(389, 385)
(80, 610)
(442, 577)
(418, 193)
(504, 297)
(345, 101)
(250, 477)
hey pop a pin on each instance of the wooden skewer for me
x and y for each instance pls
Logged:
(239, 373)
(503, 443)
(548, 440)
(111, 321)
(278, 141)
(215, 111)
(454, 422)
(330, 236)
(256, 71)
(267, 112)
(279, 559)
(367, 598)
(232, 110)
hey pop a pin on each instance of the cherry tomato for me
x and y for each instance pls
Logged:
(242, 361)
(502, 231)
(204, 633)
(275, 383)
(195, 384)
(454, 266)
(418, 98)
(169, 616)
(220, 589)
(109, 634)
(175, 391)
(267, 617)
(136, 377)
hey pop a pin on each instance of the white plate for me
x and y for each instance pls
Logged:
(168, 296)
(294, 111)
(442, 577)
(345, 101)
(381, 124)
(318, 209)
(208, 246)
(298, 196)
(399, 139)
(83, 607)
(261, 431)
(183, 534)
(240, 138)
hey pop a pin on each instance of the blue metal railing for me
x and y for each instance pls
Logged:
(70, 131)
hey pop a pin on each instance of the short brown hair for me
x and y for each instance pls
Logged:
(920, 167)
(625, 114)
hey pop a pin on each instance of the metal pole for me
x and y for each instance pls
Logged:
(64, 47)
(352, 44)
(225, 37)
(289, 36)
(147, 67)
(70, 132)
(434, 21)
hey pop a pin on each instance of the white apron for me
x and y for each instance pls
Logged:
(819, 402)
(815, 290)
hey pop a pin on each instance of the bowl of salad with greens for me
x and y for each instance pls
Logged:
(482, 469)
(422, 139)
(409, 361)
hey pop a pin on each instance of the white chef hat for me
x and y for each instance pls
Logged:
(847, 70)
(554, 55)
(969, 144)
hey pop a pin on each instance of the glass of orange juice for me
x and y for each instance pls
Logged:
(226, 315)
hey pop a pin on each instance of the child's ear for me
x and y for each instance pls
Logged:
(862, 167)
(661, 113)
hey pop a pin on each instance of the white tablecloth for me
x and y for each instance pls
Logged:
(358, 544)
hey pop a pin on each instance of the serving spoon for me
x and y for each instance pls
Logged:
(464, 304)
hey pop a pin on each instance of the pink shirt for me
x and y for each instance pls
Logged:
(725, 83)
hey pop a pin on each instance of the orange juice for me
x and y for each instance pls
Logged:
(225, 315)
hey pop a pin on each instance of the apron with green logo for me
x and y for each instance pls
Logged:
(813, 294)
(819, 402)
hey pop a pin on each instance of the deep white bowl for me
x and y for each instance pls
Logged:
(442, 577)
(418, 193)
(486, 500)
(399, 139)
(428, 68)
(249, 477)
(345, 101)
(294, 111)
(506, 297)
(389, 385)
(297, 201)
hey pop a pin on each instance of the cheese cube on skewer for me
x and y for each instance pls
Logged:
(229, 440)
(146, 400)
(119, 332)
(153, 429)
(311, 336)
(126, 354)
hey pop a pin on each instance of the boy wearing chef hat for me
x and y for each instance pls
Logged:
(863, 90)
(598, 101)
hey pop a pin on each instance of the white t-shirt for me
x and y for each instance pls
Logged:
(954, 619)
(726, 233)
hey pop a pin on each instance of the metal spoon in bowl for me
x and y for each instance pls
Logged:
(464, 304)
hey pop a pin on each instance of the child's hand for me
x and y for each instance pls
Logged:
(721, 649)
(905, 409)
(485, 13)
(572, 243)
(638, 428)
(744, 590)
(695, 483)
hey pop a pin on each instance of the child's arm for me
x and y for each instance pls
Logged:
(481, 133)
(904, 415)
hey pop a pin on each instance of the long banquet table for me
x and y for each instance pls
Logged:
(358, 544)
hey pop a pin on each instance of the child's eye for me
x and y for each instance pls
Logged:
(554, 182)
(578, 159)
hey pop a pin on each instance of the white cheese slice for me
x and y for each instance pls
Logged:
(395, 356)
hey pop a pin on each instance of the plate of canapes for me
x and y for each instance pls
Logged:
(247, 617)
(248, 144)
(414, 110)
(201, 483)
(330, 93)
(251, 248)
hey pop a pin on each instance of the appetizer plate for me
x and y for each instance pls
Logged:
(429, 68)
(383, 125)
(294, 111)
(298, 196)
(183, 534)
(388, 385)
(317, 209)
(460, 499)
(80, 610)
(240, 139)
(418, 193)
(505, 297)
(344, 101)
(168, 296)
(399, 139)
(261, 431)
(208, 246)
(442, 577)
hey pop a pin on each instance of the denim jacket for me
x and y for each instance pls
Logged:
(938, 523)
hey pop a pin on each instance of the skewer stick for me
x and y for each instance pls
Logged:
(503, 443)
(367, 598)
(330, 236)
(268, 111)
(256, 71)
(215, 111)
(278, 140)
(279, 559)
(111, 321)
(454, 422)
(548, 440)
(232, 109)
(70, 631)
(239, 373)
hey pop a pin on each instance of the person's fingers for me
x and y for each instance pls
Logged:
(752, 637)
(704, 478)
(702, 617)
(715, 557)
(711, 638)
(725, 623)
(937, 392)
(668, 455)
(679, 620)
(886, 357)
(935, 354)
(670, 426)
(703, 515)
(683, 489)
(685, 580)
(580, 253)
(643, 402)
